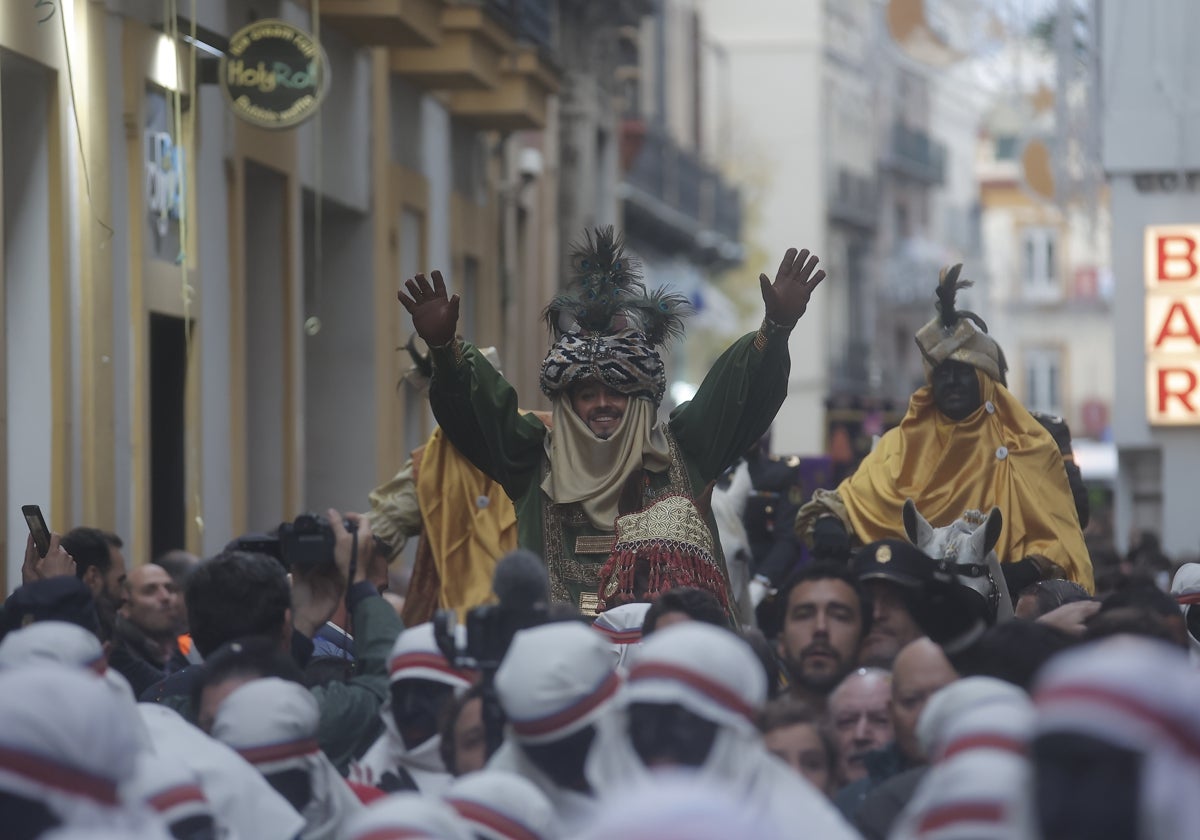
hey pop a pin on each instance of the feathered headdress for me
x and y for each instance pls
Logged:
(606, 326)
(959, 334)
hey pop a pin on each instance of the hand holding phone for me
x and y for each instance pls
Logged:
(37, 528)
(56, 563)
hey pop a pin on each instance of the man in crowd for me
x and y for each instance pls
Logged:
(463, 737)
(272, 724)
(607, 455)
(422, 685)
(825, 619)
(178, 564)
(100, 564)
(966, 443)
(1114, 749)
(238, 594)
(859, 718)
(145, 636)
(555, 684)
(795, 735)
(683, 603)
(894, 770)
(890, 572)
(691, 702)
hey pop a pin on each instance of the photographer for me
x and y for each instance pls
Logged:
(239, 593)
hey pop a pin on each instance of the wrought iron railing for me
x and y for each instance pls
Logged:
(915, 154)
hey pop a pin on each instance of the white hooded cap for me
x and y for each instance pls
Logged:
(708, 670)
(415, 656)
(53, 641)
(555, 680)
(245, 805)
(946, 705)
(167, 786)
(502, 806)
(978, 731)
(272, 723)
(67, 742)
(1185, 588)
(714, 674)
(402, 816)
(621, 627)
(679, 805)
(1141, 695)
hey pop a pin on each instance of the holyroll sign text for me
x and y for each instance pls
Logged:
(274, 74)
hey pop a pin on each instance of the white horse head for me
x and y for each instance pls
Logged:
(969, 543)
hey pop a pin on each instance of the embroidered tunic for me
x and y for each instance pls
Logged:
(477, 410)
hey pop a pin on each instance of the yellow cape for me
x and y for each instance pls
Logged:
(1000, 456)
(469, 522)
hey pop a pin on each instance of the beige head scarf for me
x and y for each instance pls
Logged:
(586, 469)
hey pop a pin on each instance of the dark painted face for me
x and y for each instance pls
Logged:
(1086, 789)
(955, 389)
(563, 760)
(417, 707)
(670, 735)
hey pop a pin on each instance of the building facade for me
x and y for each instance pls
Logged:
(1152, 161)
(202, 336)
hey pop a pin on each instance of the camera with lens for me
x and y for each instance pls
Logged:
(523, 591)
(490, 630)
(303, 545)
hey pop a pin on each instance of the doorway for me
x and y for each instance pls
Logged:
(168, 464)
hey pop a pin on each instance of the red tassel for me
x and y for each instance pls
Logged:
(668, 566)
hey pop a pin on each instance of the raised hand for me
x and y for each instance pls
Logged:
(56, 563)
(434, 316)
(787, 298)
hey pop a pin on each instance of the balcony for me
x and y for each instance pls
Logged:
(529, 20)
(675, 200)
(469, 57)
(386, 23)
(519, 100)
(854, 200)
(914, 154)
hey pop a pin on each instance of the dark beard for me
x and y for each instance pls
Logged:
(106, 617)
(820, 684)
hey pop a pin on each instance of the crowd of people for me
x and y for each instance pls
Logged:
(961, 676)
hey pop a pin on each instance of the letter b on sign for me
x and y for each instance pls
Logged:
(1173, 256)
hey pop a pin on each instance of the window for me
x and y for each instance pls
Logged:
(1043, 379)
(1039, 263)
(1006, 147)
(468, 325)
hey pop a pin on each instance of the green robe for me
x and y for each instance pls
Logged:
(477, 410)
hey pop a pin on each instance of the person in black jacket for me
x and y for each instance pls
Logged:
(145, 636)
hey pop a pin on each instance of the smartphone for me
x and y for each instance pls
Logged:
(37, 527)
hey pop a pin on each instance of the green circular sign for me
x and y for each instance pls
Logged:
(274, 75)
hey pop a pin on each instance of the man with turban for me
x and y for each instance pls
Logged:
(966, 443)
(607, 454)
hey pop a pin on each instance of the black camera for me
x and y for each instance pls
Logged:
(490, 631)
(523, 590)
(303, 545)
